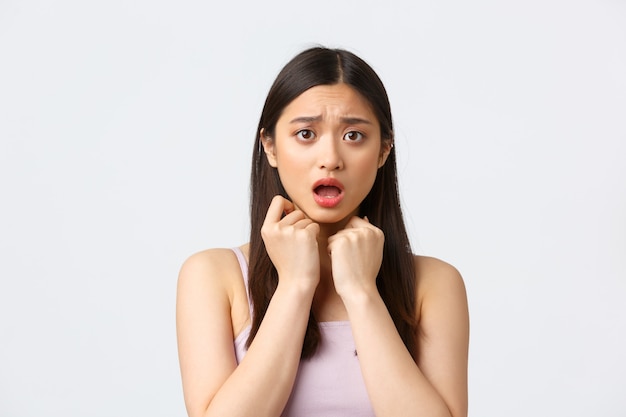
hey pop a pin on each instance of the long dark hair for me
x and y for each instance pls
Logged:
(396, 278)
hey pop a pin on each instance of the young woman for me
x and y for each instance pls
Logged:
(326, 312)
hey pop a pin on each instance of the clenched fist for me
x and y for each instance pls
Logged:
(356, 253)
(291, 243)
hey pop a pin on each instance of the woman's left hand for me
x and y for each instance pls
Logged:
(356, 253)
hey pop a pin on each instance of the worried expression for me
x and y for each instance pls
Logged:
(327, 149)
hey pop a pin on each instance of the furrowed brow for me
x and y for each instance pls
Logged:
(345, 120)
(306, 119)
(355, 121)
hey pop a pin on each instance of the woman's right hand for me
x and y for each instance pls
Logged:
(291, 243)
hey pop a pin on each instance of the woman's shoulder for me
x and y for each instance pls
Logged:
(437, 279)
(215, 258)
(429, 268)
(211, 289)
(215, 268)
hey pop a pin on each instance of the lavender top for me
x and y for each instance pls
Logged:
(330, 383)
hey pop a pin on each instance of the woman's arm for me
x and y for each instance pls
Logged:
(437, 384)
(213, 384)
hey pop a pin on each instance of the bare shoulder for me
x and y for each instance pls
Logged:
(438, 283)
(213, 270)
(443, 330)
(443, 334)
(209, 260)
(210, 307)
(435, 275)
(218, 258)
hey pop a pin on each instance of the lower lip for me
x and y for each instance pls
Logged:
(328, 202)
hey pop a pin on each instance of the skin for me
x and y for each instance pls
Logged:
(328, 131)
(328, 259)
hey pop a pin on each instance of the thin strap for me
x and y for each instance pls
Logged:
(244, 272)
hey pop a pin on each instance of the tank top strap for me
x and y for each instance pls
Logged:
(243, 264)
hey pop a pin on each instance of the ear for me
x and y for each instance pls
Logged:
(385, 150)
(268, 147)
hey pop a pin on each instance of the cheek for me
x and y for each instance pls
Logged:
(291, 171)
(369, 166)
(289, 165)
(289, 156)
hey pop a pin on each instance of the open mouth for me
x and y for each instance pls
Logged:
(327, 191)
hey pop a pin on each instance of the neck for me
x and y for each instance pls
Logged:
(327, 305)
(326, 231)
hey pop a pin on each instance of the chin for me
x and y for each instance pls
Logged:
(330, 216)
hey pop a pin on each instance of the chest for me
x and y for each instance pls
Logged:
(330, 383)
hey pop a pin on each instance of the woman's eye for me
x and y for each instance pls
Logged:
(305, 134)
(353, 136)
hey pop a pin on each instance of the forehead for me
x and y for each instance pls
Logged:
(328, 101)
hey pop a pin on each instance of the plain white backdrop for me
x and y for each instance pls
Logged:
(126, 132)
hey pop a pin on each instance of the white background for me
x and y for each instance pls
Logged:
(126, 133)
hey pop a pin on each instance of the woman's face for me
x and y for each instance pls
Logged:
(327, 150)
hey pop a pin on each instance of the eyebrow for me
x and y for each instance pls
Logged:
(346, 120)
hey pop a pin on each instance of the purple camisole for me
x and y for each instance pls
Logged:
(329, 384)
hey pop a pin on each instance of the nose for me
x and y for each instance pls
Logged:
(330, 153)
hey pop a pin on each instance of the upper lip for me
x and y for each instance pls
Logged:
(328, 182)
